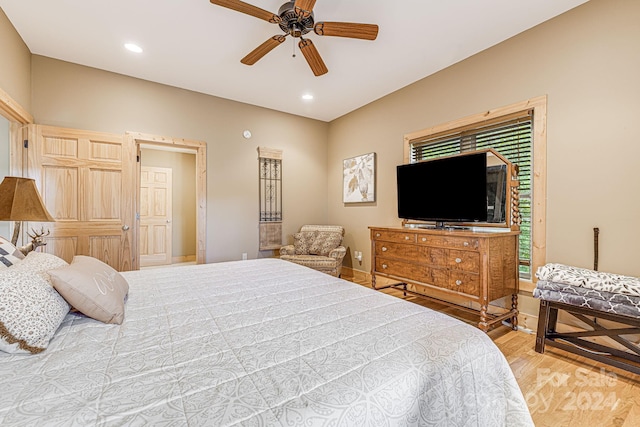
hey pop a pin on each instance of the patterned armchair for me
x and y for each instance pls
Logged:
(318, 247)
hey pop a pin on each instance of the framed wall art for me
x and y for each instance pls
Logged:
(359, 179)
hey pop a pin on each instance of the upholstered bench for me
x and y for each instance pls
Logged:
(590, 297)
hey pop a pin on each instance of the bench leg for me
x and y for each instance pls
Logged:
(547, 319)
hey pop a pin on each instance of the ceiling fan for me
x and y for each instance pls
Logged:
(296, 19)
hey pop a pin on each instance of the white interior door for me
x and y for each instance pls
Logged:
(155, 216)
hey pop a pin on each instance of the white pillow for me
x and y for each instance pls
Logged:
(93, 288)
(30, 309)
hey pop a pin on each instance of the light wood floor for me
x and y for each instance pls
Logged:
(561, 389)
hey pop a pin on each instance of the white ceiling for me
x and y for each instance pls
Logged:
(195, 45)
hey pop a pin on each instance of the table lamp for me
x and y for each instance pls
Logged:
(20, 201)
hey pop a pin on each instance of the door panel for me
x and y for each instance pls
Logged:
(155, 216)
(85, 179)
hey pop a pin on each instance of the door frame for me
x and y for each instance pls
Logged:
(18, 117)
(199, 148)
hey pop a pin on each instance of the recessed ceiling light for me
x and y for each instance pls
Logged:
(133, 47)
(307, 97)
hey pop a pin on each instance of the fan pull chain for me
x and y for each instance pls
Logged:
(294, 47)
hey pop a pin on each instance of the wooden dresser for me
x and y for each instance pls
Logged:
(469, 266)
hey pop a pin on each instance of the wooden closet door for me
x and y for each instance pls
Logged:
(87, 182)
(155, 216)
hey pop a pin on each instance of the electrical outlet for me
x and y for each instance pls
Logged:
(244, 256)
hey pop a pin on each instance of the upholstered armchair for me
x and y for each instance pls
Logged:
(318, 247)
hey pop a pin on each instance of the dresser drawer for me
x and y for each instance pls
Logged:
(400, 268)
(397, 250)
(394, 236)
(433, 256)
(464, 282)
(449, 241)
(464, 260)
(414, 272)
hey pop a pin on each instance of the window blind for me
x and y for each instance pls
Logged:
(512, 137)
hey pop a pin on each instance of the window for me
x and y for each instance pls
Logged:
(517, 132)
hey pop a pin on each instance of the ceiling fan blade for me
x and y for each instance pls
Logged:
(313, 57)
(347, 29)
(256, 54)
(303, 8)
(243, 7)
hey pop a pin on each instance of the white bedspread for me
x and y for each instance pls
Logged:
(262, 342)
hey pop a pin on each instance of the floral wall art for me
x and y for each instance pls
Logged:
(359, 179)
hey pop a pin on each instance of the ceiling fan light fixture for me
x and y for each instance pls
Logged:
(296, 18)
(292, 23)
(307, 97)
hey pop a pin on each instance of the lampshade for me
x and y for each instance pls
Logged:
(20, 201)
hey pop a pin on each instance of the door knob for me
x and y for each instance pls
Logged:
(125, 227)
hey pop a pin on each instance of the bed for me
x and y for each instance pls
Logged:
(261, 343)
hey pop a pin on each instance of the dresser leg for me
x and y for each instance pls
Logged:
(483, 325)
(514, 308)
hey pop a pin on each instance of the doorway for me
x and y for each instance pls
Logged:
(167, 206)
(183, 183)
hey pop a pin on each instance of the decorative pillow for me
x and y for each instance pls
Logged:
(325, 242)
(9, 254)
(30, 310)
(93, 288)
(302, 241)
(40, 262)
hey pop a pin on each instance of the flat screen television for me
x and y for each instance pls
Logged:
(448, 190)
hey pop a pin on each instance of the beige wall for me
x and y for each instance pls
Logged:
(183, 195)
(15, 71)
(74, 96)
(587, 61)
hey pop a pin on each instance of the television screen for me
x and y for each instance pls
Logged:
(452, 189)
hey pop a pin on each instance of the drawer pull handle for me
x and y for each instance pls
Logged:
(424, 239)
(384, 266)
(458, 260)
(384, 249)
(466, 244)
(458, 282)
(377, 234)
(406, 237)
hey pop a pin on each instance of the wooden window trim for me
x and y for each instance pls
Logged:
(539, 176)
